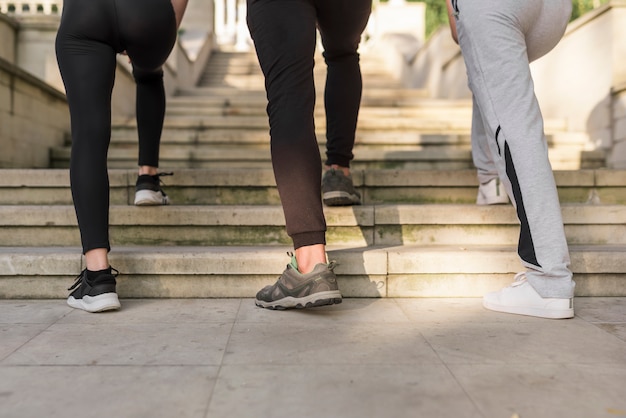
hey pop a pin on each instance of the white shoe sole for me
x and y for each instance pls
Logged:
(531, 310)
(150, 198)
(100, 303)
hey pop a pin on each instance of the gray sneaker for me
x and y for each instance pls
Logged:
(296, 290)
(338, 190)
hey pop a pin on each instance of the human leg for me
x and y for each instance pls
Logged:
(284, 37)
(494, 48)
(148, 45)
(150, 116)
(288, 72)
(87, 67)
(341, 24)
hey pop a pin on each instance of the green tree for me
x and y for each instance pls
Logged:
(580, 7)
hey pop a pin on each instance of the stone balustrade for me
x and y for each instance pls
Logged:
(48, 7)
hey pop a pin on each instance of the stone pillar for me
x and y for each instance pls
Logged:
(35, 47)
(8, 32)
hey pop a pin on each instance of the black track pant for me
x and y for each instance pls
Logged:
(89, 37)
(284, 34)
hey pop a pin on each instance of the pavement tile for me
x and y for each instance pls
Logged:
(161, 311)
(444, 310)
(32, 311)
(14, 336)
(540, 341)
(106, 391)
(342, 390)
(601, 309)
(133, 344)
(545, 390)
(618, 330)
(355, 343)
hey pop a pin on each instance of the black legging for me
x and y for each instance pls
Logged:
(284, 34)
(90, 35)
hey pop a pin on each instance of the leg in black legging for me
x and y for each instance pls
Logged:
(150, 114)
(341, 24)
(90, 35)
(88, 71)
(148, 29)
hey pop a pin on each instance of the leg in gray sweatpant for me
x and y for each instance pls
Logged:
(498, 41)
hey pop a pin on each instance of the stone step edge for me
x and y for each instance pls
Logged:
(272, 215)
(211, 272)
(262, 260)
(232, 177)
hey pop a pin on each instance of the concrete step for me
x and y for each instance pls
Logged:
(367, 225)
(256, 104)
(230, 186)
(241, 69)
(369, 145)
(221, 272)
(372, 96)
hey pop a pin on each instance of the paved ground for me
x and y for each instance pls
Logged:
(364, 358)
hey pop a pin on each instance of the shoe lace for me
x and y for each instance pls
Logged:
(158, 176)
(79, 279)
(519, 279)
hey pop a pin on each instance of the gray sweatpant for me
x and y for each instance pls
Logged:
(498, 40)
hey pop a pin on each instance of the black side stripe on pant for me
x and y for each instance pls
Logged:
(525, 249)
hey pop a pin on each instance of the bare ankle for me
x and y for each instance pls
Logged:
(310, 256)
(147, 169)
(344, 170)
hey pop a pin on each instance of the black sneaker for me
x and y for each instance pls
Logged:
(296, 290)
(148, 190)
(338, 190)
(95, 295)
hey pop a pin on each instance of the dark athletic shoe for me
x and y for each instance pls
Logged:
(296, 290)
(94, 295)
(338, 190)
(148, 191)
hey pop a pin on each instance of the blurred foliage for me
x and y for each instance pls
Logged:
(436, 13)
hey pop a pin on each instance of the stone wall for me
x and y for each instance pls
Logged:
(33, 118)
(8, 28)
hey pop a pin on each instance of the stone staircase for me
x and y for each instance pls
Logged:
(418, 232)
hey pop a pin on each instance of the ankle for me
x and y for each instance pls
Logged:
(97, 259)
(309, 256)
(344, 170)
(148, 170)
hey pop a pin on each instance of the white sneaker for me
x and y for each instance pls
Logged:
(520, 298)
(148, 191)
(492, 193)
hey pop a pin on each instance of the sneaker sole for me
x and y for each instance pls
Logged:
(340, 199)
(316, 299)
(482, 201)
(537, 312)
(150, 198)
(100, 303)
